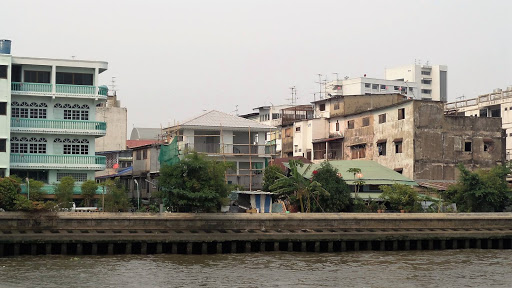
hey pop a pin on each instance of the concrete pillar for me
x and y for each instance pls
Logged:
(94, 249)
(382, 245)
(110, 249)
(430, 244)
(48, 249)
(419, 245)
(143, 248)
(79, 249)
(466, 244)
(317, 246)
(455, 244)
(290, 246)
(63, 249)
(189, 248)
(33, 249)
(204, 248)
(369, 245)
(233, 247)
(343, 246)
(407, 245)
(219, 247)
(262, 247)
(16, 250)
(443, 244)
(303, 247)
(478, 244)
(247, 247)
(500, 244)
(356, 245)
(395, 245)
(330, 247)
(276, 246)
(489, 243)
(128, 248)
(159, 248)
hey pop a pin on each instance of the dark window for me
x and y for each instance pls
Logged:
(336, 106)
(382, 118)
(138, 155)
(398, 146)
(401, 113)
(367, 85)
(70, 114)
(145, 154)
(366, 121)
(483, 112)
(382, 87)
(337, 126)
(396, 88)
(426, 91)
(322, 107)
(37, 76)
(3, 108)
(3, 71)
(426, 81)
(74, 78)
(358, 151)
(399, 170)
(488, 146)
(381, 147)
(3, 145)
(76, 149)
(375, 86)
(467, 147)
(425, 72)
(350, 124)
(297, 129)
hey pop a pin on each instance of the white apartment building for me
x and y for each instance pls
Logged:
(367, 86)
(431, 80)
(495, 104)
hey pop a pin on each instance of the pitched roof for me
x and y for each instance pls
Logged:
(137, 143)
(217, 119)
(145, 133)
(373, 172)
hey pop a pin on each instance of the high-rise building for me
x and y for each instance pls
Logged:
(47, 118)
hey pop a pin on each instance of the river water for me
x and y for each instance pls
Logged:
(448, 268)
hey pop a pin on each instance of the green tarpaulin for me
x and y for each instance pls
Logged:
(169, 154)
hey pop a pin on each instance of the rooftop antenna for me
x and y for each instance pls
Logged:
(73, 57)
(461, 97)
(113, 85)
(320, 83)
(293, 98)
(337, 78)
(346, 77)
(236, 110)
(413, 95)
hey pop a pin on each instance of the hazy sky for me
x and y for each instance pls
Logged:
(174, 59)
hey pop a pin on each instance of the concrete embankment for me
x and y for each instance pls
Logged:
(129, 233)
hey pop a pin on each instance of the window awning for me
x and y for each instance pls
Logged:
(382, 141)
(326, 139)
(398, 140)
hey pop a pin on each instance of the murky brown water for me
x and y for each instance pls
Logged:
(449, 268)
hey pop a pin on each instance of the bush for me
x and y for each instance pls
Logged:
(64, 192)
(401, 197)
(89, 188)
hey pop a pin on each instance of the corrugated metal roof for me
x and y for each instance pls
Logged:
(215, 118)
(373, 172)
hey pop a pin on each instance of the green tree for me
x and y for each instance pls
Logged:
(196, 182)
(270, 175)
(339, 192)
(480, 191)
(36, 190)
(89, 188)
(297, 185)
(21, 203)
(9, 189)
(64, 191)
(115, 196)
(401, 197)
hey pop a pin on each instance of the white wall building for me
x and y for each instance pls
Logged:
(432, 81)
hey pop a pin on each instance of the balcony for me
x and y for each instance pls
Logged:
(49, 190)
(69, 127)
(229, 149)
(45, 161)
(47, 89)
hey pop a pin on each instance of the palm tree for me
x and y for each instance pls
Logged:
(297, 184)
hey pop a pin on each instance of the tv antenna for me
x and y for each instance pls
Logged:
(293, 98)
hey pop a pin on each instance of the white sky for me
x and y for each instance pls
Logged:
(174, 59)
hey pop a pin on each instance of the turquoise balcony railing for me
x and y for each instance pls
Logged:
(58, 126)
(50, 189)
(45, 161)
(32, 87)
(60, 89)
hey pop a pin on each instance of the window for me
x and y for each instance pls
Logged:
(425, 72)
(296, 148)
(322, 107)
(488, 145)
(297, 129)
(26, 110)
(350, 124)
(24, 145)
(3, 71)
(3, 108)
(358, 151)
(145, 154)
(403, 90)
(70, 114)
(381, 147)
(138, 155)
(337, 126)
(3, 145)
(74, 78)
(382, 87)
(382, 118)
(426, 81)
(336, 105)
(367, 85)
(396, 88)
(76, 149)
(366, 121)
(410, 89)
(467, 146)
(399, 170)
(375, 86)
(79, 177)
(401, 113)
(37, 76)
(426, 91)
(38, 113)
(398, 145)
(276, 115)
